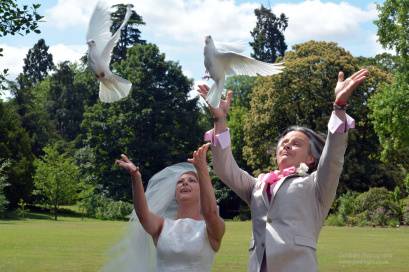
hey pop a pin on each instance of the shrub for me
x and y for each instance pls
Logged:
(102, 207)
(21, 210)
(334, 220)
(3, 184)
(405, 211)
(362, 219)
(346, 205)
(379, 205)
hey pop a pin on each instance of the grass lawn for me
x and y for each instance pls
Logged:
(72, 244)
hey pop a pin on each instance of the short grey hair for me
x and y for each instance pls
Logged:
(317, 142)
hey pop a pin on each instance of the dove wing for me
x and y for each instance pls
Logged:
(106, 54)
(99, 27)
(237, 64)
(226, 47)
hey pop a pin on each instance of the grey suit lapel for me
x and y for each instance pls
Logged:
(264, 194)
(281, 182)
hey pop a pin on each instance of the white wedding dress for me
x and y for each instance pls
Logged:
(183, 246)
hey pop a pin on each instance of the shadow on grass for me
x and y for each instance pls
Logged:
(39, 213)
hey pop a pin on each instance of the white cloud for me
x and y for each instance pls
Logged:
(183, 20)
(62, 52)
(316, 20)
(68, 13)
(13, 60)
(190, 21)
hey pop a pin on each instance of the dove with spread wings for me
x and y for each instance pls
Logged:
(221, 60)
(100, 45)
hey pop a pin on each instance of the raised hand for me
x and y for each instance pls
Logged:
(345, 88)
(199, 157)
(224, 106)
(128, 165)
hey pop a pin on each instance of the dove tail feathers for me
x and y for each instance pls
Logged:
(215, 94)
(114, 89)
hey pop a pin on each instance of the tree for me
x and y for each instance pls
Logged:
(303, 95)
(268, 35)
(30, 106)
(390, 117)
(156, 125)
(15, 145)
(16, 20)
(384, 61)
(37, 64)
(65, 103)
(56, 178)
(390, 105)
(393, 29)
(3, 184)
(130, 34)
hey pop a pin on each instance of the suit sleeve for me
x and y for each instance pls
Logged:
(228, 171)
(331, 163)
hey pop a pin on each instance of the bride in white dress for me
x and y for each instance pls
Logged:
(175, 225)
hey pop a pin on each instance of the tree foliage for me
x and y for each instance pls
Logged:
(303, 95)
(70, 91)
(390, 116)
(3, 183)
(15, 146)
(37, 64)
(268, 35)
(130, 34)
(393, 29)
(16, 20)
(56, 178)
(390, 105)
(155, 126)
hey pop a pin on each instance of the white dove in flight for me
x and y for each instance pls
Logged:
(225, 60)
(100, 45)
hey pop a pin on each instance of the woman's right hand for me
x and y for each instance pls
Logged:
(128, 165)
(223, 109)
(199, 158)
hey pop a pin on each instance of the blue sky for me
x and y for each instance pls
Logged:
(178, 27)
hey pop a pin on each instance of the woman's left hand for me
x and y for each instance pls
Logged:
(128, 165)
(345, 88)
(199, 157)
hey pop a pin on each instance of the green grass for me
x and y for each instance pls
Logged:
(72, 244)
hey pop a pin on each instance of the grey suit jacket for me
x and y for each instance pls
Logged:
(287, 228)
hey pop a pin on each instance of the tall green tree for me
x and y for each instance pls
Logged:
(303, 95)
(16, 20)
(393, 29)
(268, 35)
(390, 117)
(56, 178)
(3, 183)
(65, 103)
(157, 125)
(130, 34)
(390, 105)
(15, 145)
(35, 120)
(37, 64)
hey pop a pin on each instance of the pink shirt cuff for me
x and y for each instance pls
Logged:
(336, 125)
(223, 139)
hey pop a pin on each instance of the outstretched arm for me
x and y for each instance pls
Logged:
(224, 165)
(152, 223)
(214, 223)
(332, 158)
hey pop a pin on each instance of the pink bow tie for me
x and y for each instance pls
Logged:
(274, 176)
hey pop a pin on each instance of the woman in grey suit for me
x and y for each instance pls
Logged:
(289, 205)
